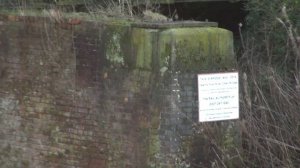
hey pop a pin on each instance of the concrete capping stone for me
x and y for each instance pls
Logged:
(176, 24)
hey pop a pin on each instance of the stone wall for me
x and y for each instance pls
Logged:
(101, 94)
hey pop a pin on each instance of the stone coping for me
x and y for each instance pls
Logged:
(175, 24)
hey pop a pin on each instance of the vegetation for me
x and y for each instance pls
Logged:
(270, 83)
(87, 9)
(269, 68)
(269, 64)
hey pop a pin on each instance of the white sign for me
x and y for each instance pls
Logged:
(218, 96)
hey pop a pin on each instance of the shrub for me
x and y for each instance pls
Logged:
(270, 85)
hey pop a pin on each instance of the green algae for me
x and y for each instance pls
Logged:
(113, 36)
(142, 46)
(192, 49)
(154, 142)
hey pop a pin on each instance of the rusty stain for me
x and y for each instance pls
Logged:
(74, 21)
(12, 18)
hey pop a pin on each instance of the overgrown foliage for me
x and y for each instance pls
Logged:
(270, 36)
(104, 9)
(269, 68)
(270, 92)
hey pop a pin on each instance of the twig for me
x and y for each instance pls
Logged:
(219, 158)
(292, 34)
(246, 93)
(241, 36)
(282, 143)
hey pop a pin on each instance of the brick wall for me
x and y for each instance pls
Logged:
(64, 103)
(71, 97)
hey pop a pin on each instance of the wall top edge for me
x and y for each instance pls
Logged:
(175, 24)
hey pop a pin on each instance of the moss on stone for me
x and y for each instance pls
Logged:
(155, 145)
(12, 157)
(142, 47)
(112, 37)
(183, 49)
(192, 49)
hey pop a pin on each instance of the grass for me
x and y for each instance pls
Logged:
(107, 10)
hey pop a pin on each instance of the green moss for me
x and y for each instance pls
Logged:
(137, 81)
(112, 38)
(192, 49)
(12, 157)
(142, 46)
(115, 153)
(154, 146)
